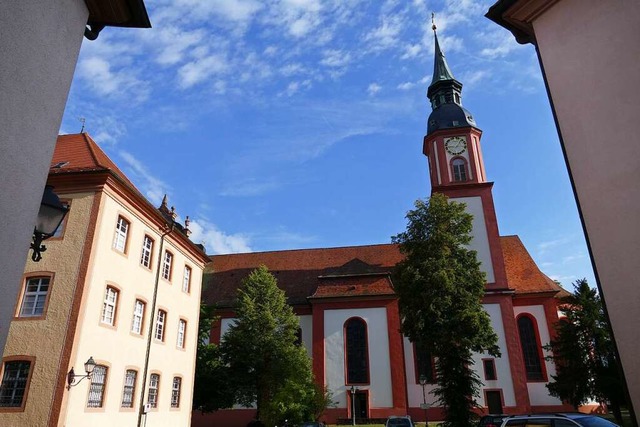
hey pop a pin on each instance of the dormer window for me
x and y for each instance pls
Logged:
(459, 167)
(457, 98)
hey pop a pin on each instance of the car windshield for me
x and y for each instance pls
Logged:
(399, 422)
(593, 422)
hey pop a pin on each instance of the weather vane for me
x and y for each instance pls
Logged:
(433, 23)
(83, 120)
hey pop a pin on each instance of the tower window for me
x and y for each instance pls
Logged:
(531, 349)
(457, 97)
(357, 351)
(459, 167)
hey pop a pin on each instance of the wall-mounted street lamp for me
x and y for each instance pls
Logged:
(354, 390)
(73, 379)
(50, 216)
(423, 382)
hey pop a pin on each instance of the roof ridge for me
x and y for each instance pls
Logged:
(90, 145)
(303, 249)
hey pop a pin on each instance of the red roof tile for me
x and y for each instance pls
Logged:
(79, 153)
(347, 271)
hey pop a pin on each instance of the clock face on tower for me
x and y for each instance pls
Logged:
(455, 145)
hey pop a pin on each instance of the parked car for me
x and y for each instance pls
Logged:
(312, 424)
(492, 420)
(557, 420)
(399, 421)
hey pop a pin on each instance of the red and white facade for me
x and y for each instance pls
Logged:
(333, 289)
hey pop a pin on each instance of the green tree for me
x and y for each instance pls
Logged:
(267, 366)
(440, 287)
(210, 391)
(584, 354)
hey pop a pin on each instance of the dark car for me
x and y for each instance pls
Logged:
(492, 420)
(557, 420)
(312, 424)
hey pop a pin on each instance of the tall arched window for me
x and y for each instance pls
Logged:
(531, 350)
(357, 351)
(459, 167)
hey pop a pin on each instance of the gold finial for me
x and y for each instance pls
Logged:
(433, 23)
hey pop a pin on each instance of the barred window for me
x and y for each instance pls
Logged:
(147, 250)
(186, 280)
(120, 237)
(182, 327)
(14, 383)
(96, 388)
(109, 306)
(357, 351)
(160, 320)
(138, 317)
(34, 297)
(175, 392)
(166, 265)
(129, 388)
(154, 383)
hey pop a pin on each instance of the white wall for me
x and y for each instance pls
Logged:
(39, 45)
(480, 242)
(379, 363)
(538, 393)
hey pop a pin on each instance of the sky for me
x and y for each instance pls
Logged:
(286, 124)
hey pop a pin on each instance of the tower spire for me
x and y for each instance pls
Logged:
(441, 69)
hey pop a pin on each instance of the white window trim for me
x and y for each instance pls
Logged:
(182, 329)
(110, 302)
(154, 387)
(186, 280)
(138, 316)
(38, 296)
(120, 236)
(167, 261)
(147, 251)
(161, 320)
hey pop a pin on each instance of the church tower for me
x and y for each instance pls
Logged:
(456, 168)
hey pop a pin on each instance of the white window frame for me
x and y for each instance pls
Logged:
(129, 388)
(97, 387)
(109, 306)
(182, 329)
(120, 236)
(34, 301)
(176, 386)
(161, 320)
(167, 261)
(154, 387)
(186, 280)
(147, 251)
(138, 316)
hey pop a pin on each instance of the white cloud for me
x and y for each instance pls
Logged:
(217, 241)
(411, 51)
(406, 86)
(472, 78)
(386, 35)
(500, 41)
(153, 188)
(98, 75)
(335, 58)
(201, 69)
(175, 42)
(232, 10)
(374, 88)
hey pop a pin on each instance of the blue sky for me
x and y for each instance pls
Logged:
(280, 124)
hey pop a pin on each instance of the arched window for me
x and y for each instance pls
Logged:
(459, 167)
(531, 350)
(357, 351)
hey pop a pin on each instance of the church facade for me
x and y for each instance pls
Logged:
(348, 311)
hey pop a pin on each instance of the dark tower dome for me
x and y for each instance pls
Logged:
(445, 94)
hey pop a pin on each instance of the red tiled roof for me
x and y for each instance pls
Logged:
(80, 153)
(523, 274)
(347, 271)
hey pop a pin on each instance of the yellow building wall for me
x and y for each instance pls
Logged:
(117, 347)
(43, 338)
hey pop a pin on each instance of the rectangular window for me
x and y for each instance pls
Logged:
(175, 392)
(14, 383)
(96, 388)
(35, 296)
(182, 327)
(138, 317)
(166, 265)
(129, 388)
(186, 280)
(147, 250)
(109, 306)
(154, 382)
(159, 333)
(489, 369)
(120, 238)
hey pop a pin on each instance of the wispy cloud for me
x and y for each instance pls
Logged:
(215, 240)
(153, 188)
(100, 77)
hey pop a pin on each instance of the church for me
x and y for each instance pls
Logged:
(348, 311)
